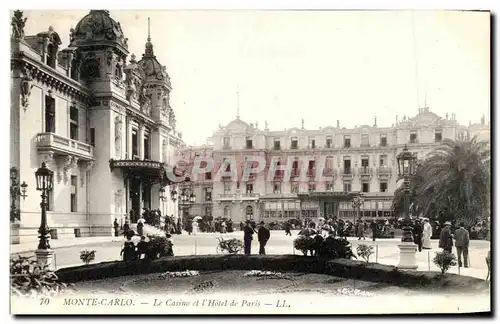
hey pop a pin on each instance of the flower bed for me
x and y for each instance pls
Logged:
(344, 268)
(179, 274)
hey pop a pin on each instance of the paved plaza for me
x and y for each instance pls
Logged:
(67, 252)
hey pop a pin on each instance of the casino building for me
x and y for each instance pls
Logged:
(99, 118)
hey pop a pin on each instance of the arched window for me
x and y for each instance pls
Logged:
(227, 212)
(249, 213)
(51, 55)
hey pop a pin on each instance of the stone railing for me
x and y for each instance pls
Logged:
(64, 145)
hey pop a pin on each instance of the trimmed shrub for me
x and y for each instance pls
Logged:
(28, 278)
(304, 244)
(231, 246)
(87, 256)
(365, 251)
(444, 261)
(159, 246)
(336, 248)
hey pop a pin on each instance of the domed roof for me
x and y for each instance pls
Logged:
(98, 28)
(150, 68)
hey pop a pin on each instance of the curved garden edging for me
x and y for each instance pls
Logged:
(344, 268)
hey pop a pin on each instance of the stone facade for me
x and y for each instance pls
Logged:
(360, 159)
(103, 125)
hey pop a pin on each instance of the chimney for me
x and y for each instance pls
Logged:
(375, 124)
(338, 123)
(452, 116)
(397, 120)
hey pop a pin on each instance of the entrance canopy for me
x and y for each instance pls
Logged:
(152, 172)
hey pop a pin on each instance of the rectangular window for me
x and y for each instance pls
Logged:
(312, 187)
(366, 187)
(347, 141)
(383, 140)
(294, 187)
(413, 137)
(365, 140)
(383, 160)
(329, 141)
(312, 142)
(295, 168)
(347, 186)
(50, 114)
(347, 166)
(146, 147)
(73, 123)
(249, 188)
(135, 145)
(311, 168)
(277, 188)
(208, 210)
(295, 143)
(277, 144)
(383, 187)
(208, 194)
(208, 175)
(364, 162)
(50, 197)
(227, 188)
(329, 187)
(249, 143)
(74, 196)
(226, 143)
(438, 136)
(92, 137)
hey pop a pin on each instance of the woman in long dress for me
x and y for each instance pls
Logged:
(426, 235)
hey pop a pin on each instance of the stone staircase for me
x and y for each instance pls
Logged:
(148, 229)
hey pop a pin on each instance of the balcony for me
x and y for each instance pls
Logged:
(365, 171)
(347, 173)
(64, 146)
(329, 172)
(384, 171)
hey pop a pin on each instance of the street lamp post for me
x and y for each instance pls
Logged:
(44, 254)
(186, 199)
(406, 169)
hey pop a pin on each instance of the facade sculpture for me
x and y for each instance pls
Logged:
(18, 23)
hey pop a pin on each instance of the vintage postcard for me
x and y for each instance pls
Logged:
(250, 162)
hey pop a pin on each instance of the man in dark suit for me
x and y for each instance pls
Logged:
(462, 245)
(248, 232)
(263, 235)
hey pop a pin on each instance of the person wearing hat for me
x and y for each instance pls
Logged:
(426, 235)
(462, 245)
(248, 232)
(263, 235)
(445, 238)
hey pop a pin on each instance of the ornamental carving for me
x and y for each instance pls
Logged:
(26, 86)
(90, 67)
(69, 163)
(118, 135)
(109, 56)
(18, 23)
(145, 100)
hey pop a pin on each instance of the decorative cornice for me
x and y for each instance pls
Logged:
(51, 78)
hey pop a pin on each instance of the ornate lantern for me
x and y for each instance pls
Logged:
(406, 163)
(44, 178)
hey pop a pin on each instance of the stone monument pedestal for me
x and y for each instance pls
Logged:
(407, 255)
(45, 257)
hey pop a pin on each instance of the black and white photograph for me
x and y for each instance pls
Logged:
(214, 162)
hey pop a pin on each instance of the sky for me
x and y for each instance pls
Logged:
(320, 66)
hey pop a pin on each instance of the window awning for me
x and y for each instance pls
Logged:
(152, 172)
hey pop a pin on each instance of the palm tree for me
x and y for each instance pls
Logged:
(454, 178)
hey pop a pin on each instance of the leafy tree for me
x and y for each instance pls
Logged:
(452, 183)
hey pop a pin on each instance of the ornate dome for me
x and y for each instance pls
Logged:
(150, 68)
(98, 28)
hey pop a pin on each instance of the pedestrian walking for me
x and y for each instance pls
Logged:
(140, 227)
(462, 245)
(116, 226)
(248, 232)
(263, 235)
(129, 250)
(426, 235)
(126, 228)
(288, 228)
(417, 234)
(374, 228)
(360, 229)
(445, 238)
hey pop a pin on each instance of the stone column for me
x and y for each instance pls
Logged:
(140, 139)
(129, 138)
